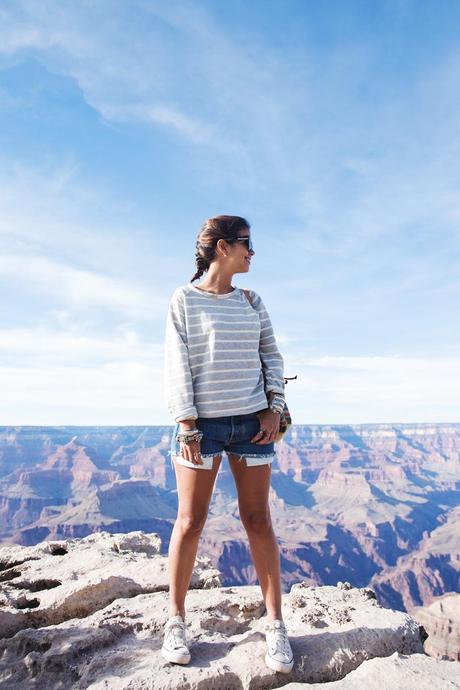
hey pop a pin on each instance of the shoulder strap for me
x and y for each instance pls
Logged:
(286, 378)
(246, 292)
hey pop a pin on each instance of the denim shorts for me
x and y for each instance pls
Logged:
(232, 434)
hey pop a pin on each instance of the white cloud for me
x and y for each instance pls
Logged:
(49, 206)
(333, 390)
(67, 240)
(115, 393)
(77, 287)
(128, 70)
(127, 386)
(250, 107)
(71, 346)
(366, 209)
(65, 377)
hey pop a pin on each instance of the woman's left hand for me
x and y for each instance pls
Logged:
(270, 424)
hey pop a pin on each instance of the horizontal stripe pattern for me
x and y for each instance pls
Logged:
(221, 355)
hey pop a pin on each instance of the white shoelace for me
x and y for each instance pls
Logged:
(176, 631)
(281, 639)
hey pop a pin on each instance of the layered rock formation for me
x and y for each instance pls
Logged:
(397, 671)
(372, 504)
(430, 570)
(441, 620)
(58, 580)
(89, 613)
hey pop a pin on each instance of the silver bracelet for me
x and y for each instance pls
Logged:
(277, 408)
(189, 436)
(187, 431)
(277, 403)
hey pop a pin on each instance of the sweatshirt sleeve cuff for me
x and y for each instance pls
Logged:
(189, 413)
(275, 389)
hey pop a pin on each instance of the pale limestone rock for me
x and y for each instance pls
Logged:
(343, 585)
(54, 581)
(95, 637)
(138, 542)
(441, 620)
(395, 672)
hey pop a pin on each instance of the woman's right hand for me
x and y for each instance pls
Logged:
(191, 452)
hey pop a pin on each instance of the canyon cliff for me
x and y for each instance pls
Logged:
(375, 505)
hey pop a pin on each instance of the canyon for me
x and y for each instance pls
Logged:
(375, 505)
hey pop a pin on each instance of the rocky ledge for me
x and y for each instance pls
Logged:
(89, 613)
(441, 620)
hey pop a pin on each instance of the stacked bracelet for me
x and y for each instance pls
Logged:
(277, 403)
(189, 435)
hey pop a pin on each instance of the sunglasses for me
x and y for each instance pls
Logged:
(246, 240)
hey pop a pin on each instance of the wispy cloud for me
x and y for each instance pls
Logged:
(66, 376)
(114, 393)
(65, 238)
(69, 345)
(251, 107)
(343, 156)
(78, 288)
(129, 71)
(126, 385)
(354, 390)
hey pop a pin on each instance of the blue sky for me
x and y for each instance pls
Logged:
(334, 127)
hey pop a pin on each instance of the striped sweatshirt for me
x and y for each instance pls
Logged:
(221, 355)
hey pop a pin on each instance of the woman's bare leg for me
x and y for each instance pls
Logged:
(194, 488)
(253, 486)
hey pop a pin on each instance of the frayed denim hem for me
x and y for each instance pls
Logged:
(252, 455)
(206, 465)
(253, 459)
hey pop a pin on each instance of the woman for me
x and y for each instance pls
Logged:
(221, 362)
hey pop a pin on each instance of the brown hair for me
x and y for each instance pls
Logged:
(213, 230)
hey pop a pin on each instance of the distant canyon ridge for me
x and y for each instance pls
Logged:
(376, 505)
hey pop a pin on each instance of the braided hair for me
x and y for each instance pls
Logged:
(213, 230)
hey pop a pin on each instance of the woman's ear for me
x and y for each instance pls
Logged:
(221, 248)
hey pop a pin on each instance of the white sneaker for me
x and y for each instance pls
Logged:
(279, 656)
(174, 647)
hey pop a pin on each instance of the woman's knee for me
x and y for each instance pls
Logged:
(191, 523)
(258, 521)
